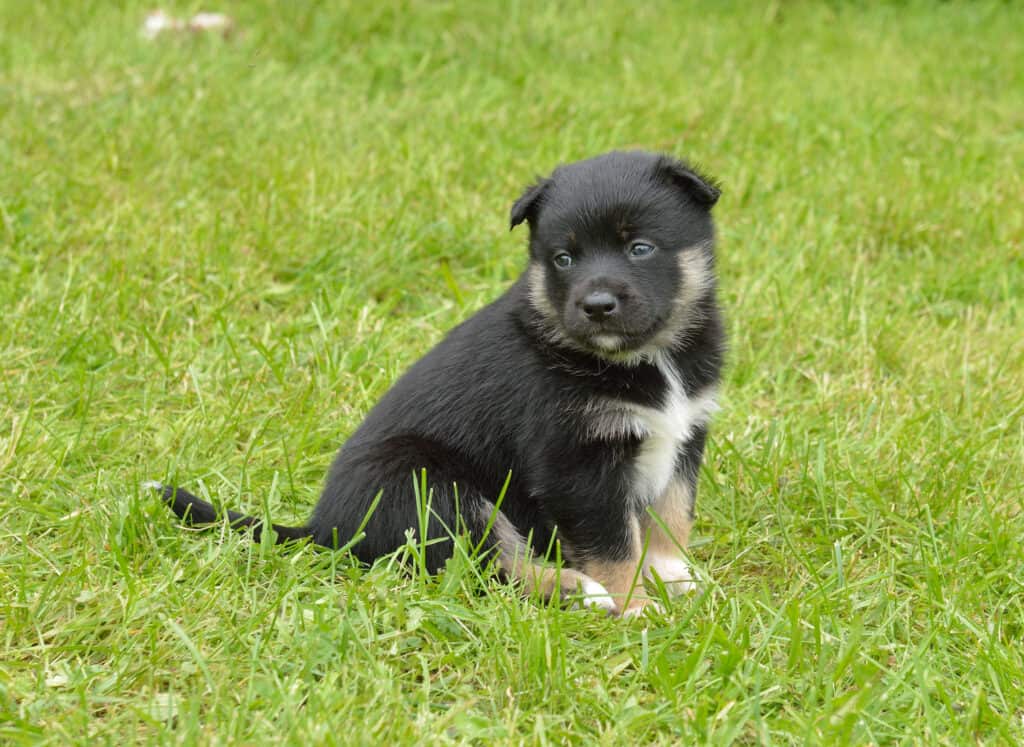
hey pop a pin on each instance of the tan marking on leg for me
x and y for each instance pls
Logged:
(621, 577)
(623, 583)
(664, 549)
(673, 508)
(562, 584)
(518, 563)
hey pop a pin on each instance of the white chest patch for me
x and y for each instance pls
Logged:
(662, 430)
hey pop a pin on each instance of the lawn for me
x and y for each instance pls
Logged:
(216, 255)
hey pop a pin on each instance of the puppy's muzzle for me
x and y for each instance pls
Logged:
(599, 305)
(600, 300)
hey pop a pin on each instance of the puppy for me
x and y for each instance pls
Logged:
(587, 386)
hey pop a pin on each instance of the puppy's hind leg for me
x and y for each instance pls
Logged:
(518, 564)
(423, 491)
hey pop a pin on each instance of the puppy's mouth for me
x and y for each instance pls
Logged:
(613, 340)
(608, 341)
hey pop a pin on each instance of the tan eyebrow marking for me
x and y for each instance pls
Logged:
(622, 226)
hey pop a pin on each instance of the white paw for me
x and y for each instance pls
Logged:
(595, 595)
(673, 571)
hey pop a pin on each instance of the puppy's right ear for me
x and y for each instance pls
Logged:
(526, 207)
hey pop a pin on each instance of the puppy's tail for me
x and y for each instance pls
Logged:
(193, 510)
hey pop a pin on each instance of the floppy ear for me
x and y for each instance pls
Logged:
(525, 208)
(703, 190)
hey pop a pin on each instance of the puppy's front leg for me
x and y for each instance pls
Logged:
(620, 569)
(625, 549)
(599, 524)
(607, 546)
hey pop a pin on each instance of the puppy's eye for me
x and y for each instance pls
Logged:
(562, 261)
(641, 249)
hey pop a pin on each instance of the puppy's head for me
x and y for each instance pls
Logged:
(620, 252)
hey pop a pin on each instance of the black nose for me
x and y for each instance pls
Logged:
(598, 305)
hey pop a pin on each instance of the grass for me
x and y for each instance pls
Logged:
(215, 256)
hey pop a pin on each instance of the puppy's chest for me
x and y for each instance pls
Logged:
(662, 431)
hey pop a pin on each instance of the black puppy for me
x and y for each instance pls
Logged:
(591, 380)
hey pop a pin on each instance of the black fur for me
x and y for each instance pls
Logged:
(509, 389)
